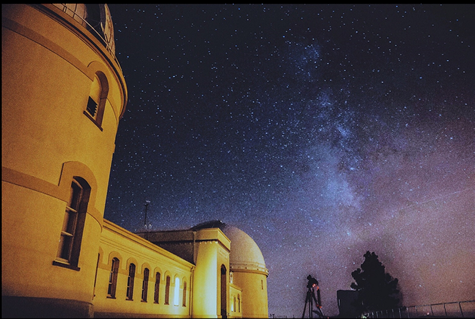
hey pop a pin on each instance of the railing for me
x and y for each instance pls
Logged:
(455, 309)
(108, 43)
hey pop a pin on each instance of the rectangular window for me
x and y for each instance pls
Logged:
(145, 285)
(91, 107)
(176, 295)
(69, 245)
(69, 222)
(167, 291)
(97, 99)
(113, 278)
(184, 294)
(157, 288)
(130, 282)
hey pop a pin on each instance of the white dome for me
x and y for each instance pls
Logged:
(245, 254)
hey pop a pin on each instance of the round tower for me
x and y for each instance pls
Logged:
(63, 94)
(249, 272)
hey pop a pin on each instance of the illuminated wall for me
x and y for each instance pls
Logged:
(221, 253)
(209, 250)
(128, 248)
(63, 94)
(235, 300)
(248, 272)
(254, 297)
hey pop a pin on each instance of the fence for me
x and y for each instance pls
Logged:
(455, 309)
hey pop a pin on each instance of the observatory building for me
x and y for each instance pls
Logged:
(63, 95)
(218, 248)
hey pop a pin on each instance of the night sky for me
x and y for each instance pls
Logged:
(322, 131)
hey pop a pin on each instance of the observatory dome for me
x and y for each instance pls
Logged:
(245, 254)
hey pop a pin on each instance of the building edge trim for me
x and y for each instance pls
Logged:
(142, 241)
(249, 270)
(36, 184)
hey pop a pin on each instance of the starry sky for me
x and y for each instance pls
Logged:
(322, 131)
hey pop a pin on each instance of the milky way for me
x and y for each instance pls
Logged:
(322, 131)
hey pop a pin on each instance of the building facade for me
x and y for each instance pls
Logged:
(63, 95)
(229, 266)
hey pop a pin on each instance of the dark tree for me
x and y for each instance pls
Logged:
(377, 290)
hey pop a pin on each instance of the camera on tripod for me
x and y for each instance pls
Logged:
(312, 282)
(312, 301)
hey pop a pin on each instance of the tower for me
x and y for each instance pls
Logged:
(63, 94)
(249, 272)
(230, 275)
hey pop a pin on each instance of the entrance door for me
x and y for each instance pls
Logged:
(224, 296)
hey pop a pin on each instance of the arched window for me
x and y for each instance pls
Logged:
(176, 296)
(145, 285)
(167, 291)
(130, 282)
(184, 294)
(97, 98)
(113, 278)
(157, 288)
(233, 305)
(73, 224)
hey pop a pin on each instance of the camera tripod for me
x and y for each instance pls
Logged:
(310, 299)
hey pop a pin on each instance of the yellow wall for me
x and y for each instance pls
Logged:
(209, 250)
(235, 301)
(254, 298)
(48, 65)
(128, 247)
(212, 252)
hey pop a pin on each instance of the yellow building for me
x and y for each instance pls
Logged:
(63, 94)
(229, 266)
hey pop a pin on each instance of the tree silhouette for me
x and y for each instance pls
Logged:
(377, 290)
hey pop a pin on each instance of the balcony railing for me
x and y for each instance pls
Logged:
(78, 15)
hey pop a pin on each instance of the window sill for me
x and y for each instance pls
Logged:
(65, 264)
(93, 120)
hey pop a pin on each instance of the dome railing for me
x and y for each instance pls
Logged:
(249, 266)
(108, 43)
